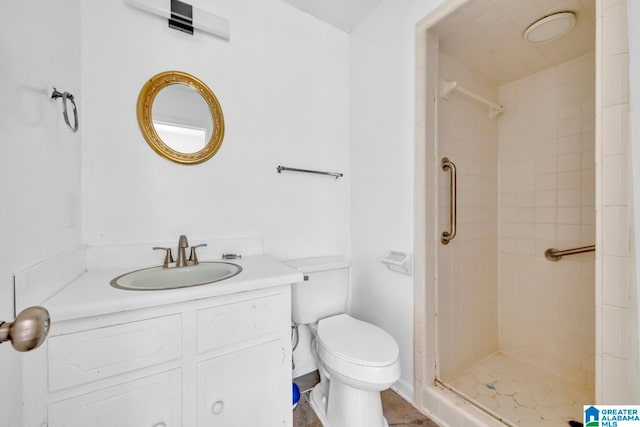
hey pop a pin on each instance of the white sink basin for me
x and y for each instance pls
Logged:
(158, 278)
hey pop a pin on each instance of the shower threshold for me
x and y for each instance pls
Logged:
(521, 394)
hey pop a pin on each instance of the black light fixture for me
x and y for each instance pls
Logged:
(181, 17)
(185, 17)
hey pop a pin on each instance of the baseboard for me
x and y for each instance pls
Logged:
(404, 389)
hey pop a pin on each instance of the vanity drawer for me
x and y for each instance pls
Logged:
(91, 355)
(234, 323)
(151, 401)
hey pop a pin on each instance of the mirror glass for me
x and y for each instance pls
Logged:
(180, 117)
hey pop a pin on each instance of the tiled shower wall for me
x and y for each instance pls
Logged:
(468, 291)
(547, 200)
(616, 311)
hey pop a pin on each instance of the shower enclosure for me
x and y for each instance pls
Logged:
(510, 132)
(516, 330)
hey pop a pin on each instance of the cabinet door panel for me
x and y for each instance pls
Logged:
(91, 355)
(152, 401)
(242, 389)
(230, 324)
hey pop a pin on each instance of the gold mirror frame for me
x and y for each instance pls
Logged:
(145, 103)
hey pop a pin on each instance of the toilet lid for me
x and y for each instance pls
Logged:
(356, 341)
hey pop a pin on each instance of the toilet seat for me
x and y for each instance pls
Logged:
(356, 341)
(358, 350)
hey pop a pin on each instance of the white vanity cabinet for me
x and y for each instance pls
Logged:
(218, 361)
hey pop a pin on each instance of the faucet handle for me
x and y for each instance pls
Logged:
(193, 257)
(168, 258)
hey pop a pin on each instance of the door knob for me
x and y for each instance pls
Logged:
(28, 331)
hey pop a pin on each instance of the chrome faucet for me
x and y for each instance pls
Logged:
(182, 260)
(182, 256)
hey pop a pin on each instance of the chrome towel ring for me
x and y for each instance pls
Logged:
(66, 96)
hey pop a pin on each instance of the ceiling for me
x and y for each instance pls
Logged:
(486, 36)
(342, 14)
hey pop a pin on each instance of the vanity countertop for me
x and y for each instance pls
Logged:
(92, 295)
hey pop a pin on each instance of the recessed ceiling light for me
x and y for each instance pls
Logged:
(550, 27)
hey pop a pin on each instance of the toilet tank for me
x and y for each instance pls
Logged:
(325, 291)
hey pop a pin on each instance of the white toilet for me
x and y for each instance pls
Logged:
(356, 359)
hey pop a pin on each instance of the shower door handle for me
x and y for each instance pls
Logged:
(448, 236)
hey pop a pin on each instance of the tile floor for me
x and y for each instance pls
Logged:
(397, 411)
(522, 394)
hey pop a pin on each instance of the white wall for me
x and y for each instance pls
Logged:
(282, 81)
(40, 161)
(382, 102)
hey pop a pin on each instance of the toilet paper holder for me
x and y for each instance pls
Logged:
(399, 262)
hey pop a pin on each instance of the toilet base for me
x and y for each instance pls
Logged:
(347, 406)
(319, 405)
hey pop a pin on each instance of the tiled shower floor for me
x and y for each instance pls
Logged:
(522, 394)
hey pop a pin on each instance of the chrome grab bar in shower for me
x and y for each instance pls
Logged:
(553, 254)
(448, 236)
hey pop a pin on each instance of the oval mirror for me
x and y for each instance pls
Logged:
(180, 117)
